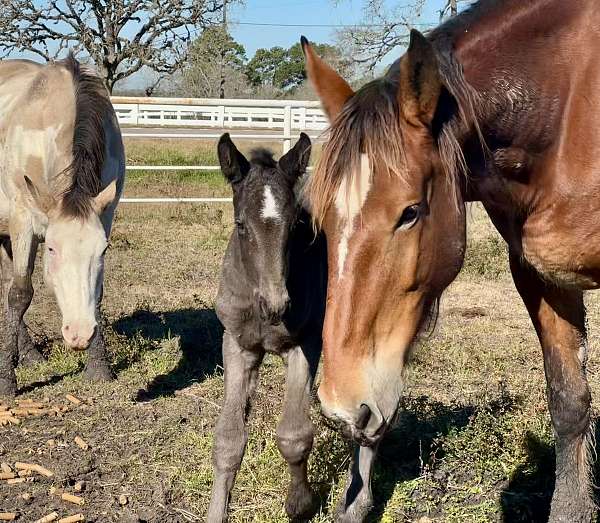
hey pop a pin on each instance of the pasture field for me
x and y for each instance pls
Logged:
(474, 443)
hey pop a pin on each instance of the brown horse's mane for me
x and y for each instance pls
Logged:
(370, 123)
(92, 104)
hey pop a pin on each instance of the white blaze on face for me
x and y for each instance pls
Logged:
(74, 270)
(349, 202)
(270, 208)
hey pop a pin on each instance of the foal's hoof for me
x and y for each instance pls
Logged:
(98, 371)
(301, 504)
(8, 387)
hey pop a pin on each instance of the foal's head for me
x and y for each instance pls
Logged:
(395, 231)
(266, 209)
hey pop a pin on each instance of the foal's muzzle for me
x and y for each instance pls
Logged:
(273, 312)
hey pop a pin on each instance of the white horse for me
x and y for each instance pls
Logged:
(62, 168)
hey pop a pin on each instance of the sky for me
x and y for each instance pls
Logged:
(309, 15)
(309, 12)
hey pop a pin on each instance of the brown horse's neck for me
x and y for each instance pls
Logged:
(516, 56)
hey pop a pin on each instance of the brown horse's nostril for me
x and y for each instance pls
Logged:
(364, 414)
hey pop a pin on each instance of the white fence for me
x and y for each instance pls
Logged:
(192, 115)
(220, 114)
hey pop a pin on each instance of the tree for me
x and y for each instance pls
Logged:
(284, 68)
(385, 29)
(120, 36)
(212, 55)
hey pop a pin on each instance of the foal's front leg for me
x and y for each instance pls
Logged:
(295, 431)
(20, 293)
(231, 434)
(357, 499)
(559, 318)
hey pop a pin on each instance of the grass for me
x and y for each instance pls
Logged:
(474, 443)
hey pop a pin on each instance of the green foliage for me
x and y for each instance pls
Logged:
(214, 56)
(284, 68)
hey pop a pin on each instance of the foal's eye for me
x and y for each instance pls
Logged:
(240, 226)
(409, 217)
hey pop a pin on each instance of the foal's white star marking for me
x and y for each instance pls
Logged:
(270, 209)
(349, 202)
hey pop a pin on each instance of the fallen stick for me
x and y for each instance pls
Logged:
(7, 475)
(72, 519)
(5, 467)
(65, 496)
(47, 519)
(9, 419)
(25, 472)
(8, 516)
(73, 399)
(19, 411)
(36, 468)
(15, 480)
(81, 443)
(30, 404)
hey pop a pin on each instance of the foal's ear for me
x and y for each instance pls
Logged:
(105, 197)
(233, 163)
(420, 81)
(295, 161)
(42, 199)
(332, 89)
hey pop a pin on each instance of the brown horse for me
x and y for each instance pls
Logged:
(498, 105)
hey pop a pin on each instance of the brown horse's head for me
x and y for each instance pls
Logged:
(395, 229)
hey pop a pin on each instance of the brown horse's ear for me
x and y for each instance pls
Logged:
(332, 89)
(420, 81)
(43, 200)
(105, 197)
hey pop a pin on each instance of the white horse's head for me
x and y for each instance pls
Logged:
(74, 262)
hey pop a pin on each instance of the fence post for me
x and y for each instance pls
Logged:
(287, 128)
(221, 117)
(136, 114)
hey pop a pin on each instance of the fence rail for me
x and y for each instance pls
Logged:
(288, 116)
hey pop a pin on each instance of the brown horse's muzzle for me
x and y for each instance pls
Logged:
(364, 424)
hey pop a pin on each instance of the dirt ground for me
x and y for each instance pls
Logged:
(474, 444)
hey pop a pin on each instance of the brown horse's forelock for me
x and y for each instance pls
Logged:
(369, 123)
(92, 105)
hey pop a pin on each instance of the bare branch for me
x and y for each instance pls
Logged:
(120, 36)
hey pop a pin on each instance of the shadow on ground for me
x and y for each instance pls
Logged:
(528, 495)
(405, 451)
(200, 334)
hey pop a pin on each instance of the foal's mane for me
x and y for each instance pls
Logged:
(92, 104)
(369, 123)
(262, 157)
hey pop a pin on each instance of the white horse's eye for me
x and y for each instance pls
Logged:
(51, 250)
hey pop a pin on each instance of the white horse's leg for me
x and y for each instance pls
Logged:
(97, 368)
(28, 354)
(20, 293)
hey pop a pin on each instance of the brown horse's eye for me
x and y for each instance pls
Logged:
(409, 217)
